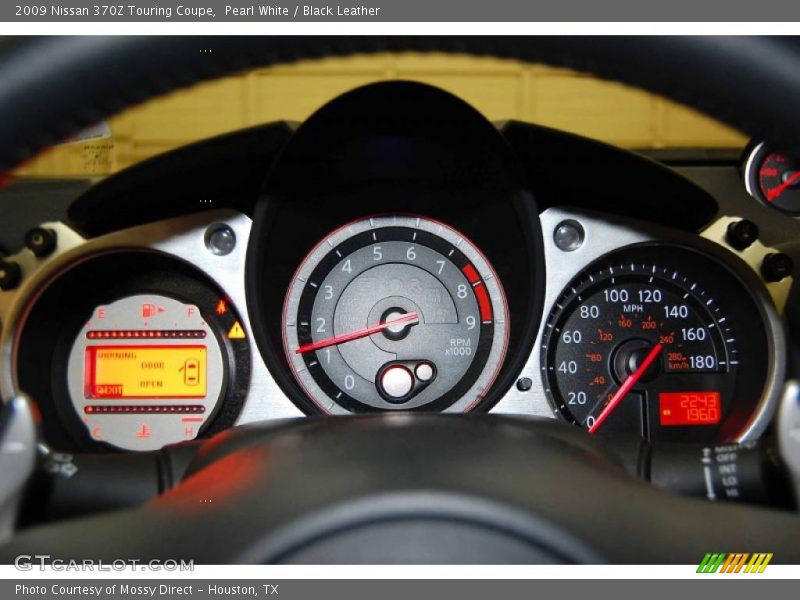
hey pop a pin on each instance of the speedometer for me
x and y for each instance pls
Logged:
(651, 342)
(395, 313)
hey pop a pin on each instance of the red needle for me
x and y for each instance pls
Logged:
(410, 318)
(626, 386)
(775, 192)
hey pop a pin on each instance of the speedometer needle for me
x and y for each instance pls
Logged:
(411, 318)
(626, 386)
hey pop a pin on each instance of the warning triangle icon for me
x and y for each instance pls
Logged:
(236, 332)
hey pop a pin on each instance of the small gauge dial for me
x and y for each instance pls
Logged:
(145, 371)
(642, 346)
(129, 350)
(774, 179)
(395, 313)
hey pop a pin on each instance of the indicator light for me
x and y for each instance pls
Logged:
(221, 308)
(236, 332)
(689, 408)
(150, 310)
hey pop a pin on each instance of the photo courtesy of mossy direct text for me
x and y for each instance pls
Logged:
(151, 591)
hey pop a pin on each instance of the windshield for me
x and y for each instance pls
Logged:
(500, 89)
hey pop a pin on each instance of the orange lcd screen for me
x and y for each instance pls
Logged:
(164, 372)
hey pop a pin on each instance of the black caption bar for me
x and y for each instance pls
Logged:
(106, 589)
(445, 11)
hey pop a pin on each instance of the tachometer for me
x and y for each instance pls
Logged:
(657, 341)
(395, 313)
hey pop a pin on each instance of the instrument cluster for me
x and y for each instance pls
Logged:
(396, 262)
(643, 333)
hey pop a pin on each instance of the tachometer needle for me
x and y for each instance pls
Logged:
(626, 386)
(411, 318)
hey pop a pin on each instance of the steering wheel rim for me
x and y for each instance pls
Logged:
(447, 489)
(95, 77)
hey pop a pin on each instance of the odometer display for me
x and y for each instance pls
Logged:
(689, 408)
(631, 341)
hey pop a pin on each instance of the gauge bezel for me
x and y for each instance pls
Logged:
(511, 241)
(347, 234)
(396, 148)
(181, 238)
(753, 423)
(172, 278)
(756, 154)
(219, 365)
(604, 236)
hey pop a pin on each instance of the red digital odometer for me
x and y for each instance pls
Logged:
(689, 408)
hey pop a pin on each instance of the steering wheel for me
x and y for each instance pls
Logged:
(402, 488)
